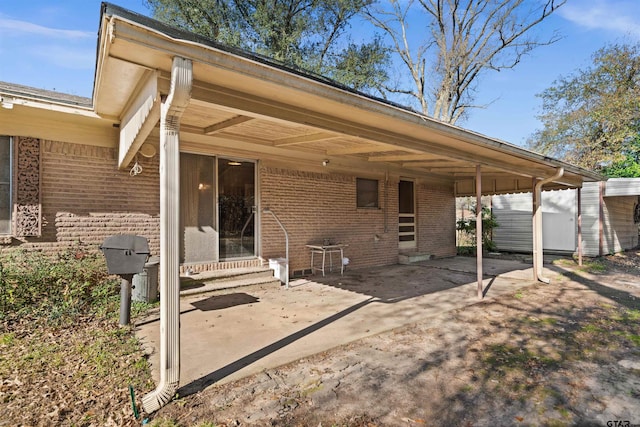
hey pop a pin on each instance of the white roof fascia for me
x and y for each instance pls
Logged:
(139, 118)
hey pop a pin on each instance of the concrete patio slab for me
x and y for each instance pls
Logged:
(230, 334)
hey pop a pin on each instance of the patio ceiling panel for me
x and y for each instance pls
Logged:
(260, 130)
(303, 138)
(203, 116)
(268, 131)
(348, 146)
(380, 143)
(226, 124)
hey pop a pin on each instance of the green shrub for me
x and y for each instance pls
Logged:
(37, 286)
(468, 228)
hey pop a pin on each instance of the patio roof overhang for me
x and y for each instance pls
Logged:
(49, 115)
(251, 107)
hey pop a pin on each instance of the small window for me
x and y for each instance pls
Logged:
(5, 184)
(367, 193)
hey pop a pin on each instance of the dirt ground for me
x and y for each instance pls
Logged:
(567, 353)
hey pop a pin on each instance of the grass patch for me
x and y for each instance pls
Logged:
(629, 316)
(55, 289)
(594, 266)
(551, 344)
(604, 331)
(556, 423)
(591, 328)
(564, 262)
(7, 339)
(633, 338)
(60, 343)
(509, 356)
(163, 422)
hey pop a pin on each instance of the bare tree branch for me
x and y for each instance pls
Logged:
(468, 37)
(394, 23)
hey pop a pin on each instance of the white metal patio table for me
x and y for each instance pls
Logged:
(330, 250)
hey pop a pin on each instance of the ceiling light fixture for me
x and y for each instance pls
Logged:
(147, 150)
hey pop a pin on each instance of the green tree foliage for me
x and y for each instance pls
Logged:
(592, 118)
(489, 222)
(308, 34)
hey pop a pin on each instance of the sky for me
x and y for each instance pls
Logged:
(51, 45)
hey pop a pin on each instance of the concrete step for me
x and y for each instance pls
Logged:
(225, 279)
(411, 257)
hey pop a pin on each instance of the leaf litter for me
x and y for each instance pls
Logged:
(560, 354)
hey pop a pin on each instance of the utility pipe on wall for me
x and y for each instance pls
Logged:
(171, 111)
(538, 251)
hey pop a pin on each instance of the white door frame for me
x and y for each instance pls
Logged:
(407, 220)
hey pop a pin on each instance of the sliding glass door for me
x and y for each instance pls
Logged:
(217, 209)
(199, 239)
(236, 208)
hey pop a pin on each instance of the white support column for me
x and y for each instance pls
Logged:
(538, 248)
(534, 226)
(601, 218)
(171, 111)
(479, 271)
(579, 226)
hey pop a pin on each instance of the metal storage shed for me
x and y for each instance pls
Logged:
(608, 210)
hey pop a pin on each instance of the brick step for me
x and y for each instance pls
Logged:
(225, 279)
(411, 257)
(196, 268)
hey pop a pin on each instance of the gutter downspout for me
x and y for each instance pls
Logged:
(171, 110)
(538, 251)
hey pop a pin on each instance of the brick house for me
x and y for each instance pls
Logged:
(248, 134)
(188, 143)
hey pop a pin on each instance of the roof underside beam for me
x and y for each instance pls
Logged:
(365, 149)
(218, 127)
(305, 139)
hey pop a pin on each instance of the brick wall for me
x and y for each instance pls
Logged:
(436, 209)
(85, 198)
(315, 206)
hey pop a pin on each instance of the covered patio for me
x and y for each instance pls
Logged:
(325, 158)
(230, 334)
(212, 100)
